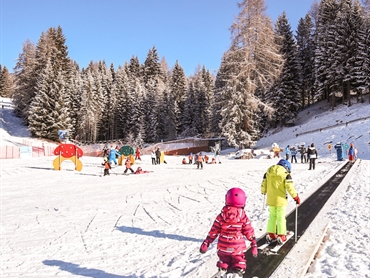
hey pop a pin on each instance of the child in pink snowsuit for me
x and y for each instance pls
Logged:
(231, 226)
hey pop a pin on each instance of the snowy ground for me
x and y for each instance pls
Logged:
(78, 224)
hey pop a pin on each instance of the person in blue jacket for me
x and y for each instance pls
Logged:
(112, 156)
(287, 153)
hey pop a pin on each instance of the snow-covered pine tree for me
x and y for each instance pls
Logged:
(177, 90)
(25, 80)
(306, 50)
(359, 71)
(49, 110)
(288, 89)
(152, 78)
(6, 82)
(325, 49)
(123, 86)
(253, 62)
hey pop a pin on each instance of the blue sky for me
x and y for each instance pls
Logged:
(194, 32)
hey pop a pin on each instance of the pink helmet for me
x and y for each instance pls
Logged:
(235, 197)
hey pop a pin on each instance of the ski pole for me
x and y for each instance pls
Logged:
(263, 205)
(296, 217)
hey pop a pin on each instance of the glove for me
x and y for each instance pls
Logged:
(297, 200)
(254, 248)
(203, 247)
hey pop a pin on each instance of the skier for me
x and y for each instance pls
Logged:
(184, 161)
(200, 161)
(287, 153)
(128, 166)
(153, 157)
(276, 182)
(312, 155)
(190, 158)
(351, 153)
(339, 148)
(293, 152)
(112, 156)
(231, 226)
(106, 166)
(158, 156)
(217, 156)
(302, 151)
(137, 154)
(139, 170)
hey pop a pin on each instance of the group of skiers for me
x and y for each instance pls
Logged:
(232, 225)
(307, 155)
(111, 155)
(198, 159)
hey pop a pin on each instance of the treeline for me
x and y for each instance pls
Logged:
(266, 77)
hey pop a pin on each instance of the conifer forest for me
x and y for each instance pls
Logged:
(269, 73)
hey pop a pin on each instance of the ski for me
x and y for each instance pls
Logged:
(289, 235)
(273, 247)
(225, 275)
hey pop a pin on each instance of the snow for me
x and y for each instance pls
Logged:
(77, 224)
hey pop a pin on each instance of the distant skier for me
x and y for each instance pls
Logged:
(351, 153)
(302, 151)
(200, 161)
(231, 226)
(112, 156)
(153, 156)
(276, 182)
(312, 155)
(293, 152)
(106, 166)
(128, 166)
(137, 154)
(287, 153)
(158, 156)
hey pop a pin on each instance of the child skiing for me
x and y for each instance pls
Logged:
(231, 226)
(276, 182)
(106, 166)
(128, 166)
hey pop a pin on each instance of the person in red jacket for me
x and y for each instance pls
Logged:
(137, 154)
(106, 166)
(231, 226)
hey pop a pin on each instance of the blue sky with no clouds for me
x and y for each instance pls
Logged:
(194, 32)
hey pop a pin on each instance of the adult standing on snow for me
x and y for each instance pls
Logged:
(153, 157)
(276, 182)
(293, 151)
(158, 156)
(112, 156)
(287, 153)
(312, 155)
(302, 151)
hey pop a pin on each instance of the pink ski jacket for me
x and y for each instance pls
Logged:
(231, 225)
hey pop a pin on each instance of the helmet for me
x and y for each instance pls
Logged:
(286, 164)
(235, 197)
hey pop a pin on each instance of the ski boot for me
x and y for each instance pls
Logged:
(221, 273)
(270, 237)
(238, 273)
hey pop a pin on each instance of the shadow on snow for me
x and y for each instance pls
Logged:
(83, 271)
(156, 233)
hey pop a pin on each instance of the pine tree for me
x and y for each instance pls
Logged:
(48, 110)
(286, 98)
(177, 95)
(253, 62)
(306, 51)
(6, 82)
(25, 80)
(325, 49)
